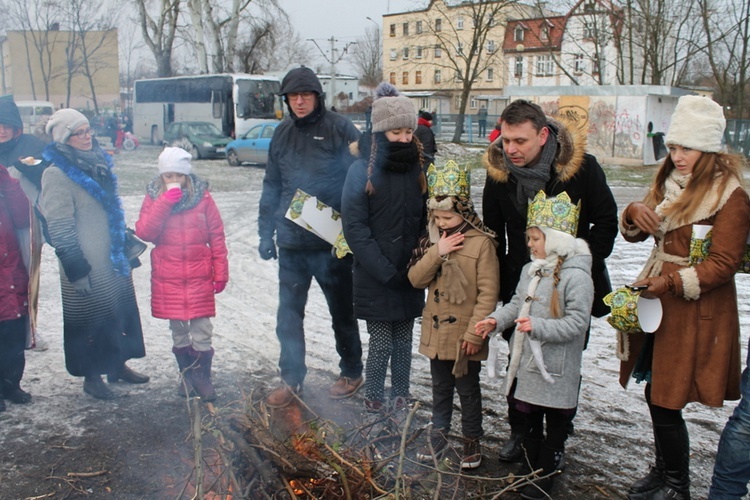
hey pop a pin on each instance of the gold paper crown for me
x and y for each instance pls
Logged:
(555, 213)
(448, 180)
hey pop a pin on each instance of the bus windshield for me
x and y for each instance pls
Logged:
(256, 98)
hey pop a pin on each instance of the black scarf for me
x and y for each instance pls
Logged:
(397, 157)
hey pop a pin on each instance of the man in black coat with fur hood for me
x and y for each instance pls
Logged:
(309, 151)
(535, 152)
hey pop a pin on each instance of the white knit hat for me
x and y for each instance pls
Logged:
(391, 110)
(63, 122)
(697, 123)
(175, 160)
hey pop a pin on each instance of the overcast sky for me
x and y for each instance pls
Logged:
(346, 20)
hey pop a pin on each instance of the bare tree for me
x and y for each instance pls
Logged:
(159, 32)
(463, 40)
(367, 57)
(727, 28)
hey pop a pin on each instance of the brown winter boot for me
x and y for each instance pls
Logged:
(201, 376)
(186, 362)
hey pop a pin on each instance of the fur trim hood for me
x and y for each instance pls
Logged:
(571, 148)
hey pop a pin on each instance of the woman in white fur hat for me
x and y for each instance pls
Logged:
(188, 265)
(694, 355)
(86, 225)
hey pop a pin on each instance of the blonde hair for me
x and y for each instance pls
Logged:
(708, 166)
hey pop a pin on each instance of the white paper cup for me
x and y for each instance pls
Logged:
(172, 185)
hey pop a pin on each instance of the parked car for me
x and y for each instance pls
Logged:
(205, 139)
(253, 146)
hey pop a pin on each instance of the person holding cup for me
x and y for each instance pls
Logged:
(188, 264)
(694, 355)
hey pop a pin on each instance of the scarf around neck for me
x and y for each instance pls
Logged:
(533, 178)
(92, 171)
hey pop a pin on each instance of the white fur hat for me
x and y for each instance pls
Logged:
(697, 123)
(63, 122)
(175, 160)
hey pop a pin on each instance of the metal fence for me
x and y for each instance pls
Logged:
(444, 126)
(737, 136)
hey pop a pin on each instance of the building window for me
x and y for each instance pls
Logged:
(419, 27)
(457, 76)
(473, 102)
(392, 78)
(545, 66)
(394, 54)
(406, 29)
(517, 34)
(424, 103)
(579, 64)
(589, 30)
(405, 78)
(438, 51)
(438, 76)
(418, 77)
(393, 30)
(491, 46)
(460, 23)
(458, 102)
(460, 48)
(406, 52)
(596, 64)
(490, 74)
(544, 35)
(518, 67)
(418, 54)
(589, 6)
(438, 25)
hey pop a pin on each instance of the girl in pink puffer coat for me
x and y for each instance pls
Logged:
(188, 264)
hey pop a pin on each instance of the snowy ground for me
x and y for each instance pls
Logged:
(134, 437)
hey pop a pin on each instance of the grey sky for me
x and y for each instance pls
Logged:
(346, 20)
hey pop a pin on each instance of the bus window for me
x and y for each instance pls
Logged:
(256, 99)
(217, 103)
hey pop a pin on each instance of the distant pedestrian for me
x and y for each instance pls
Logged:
(188, 263)
(310, 152)
(427, 137)
(383, 212)
(496, 131)
(482, 120)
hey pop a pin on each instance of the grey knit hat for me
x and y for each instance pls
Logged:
(391, 110)
(63, 122)
(697, 123)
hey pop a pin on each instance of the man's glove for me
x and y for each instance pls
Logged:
(83, 286)
(219, 286)
(173, 195)
(267, 249)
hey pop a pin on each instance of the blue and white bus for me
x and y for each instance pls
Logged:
(232, 102)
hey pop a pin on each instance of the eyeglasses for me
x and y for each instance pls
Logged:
(292, 96)
(82, 133)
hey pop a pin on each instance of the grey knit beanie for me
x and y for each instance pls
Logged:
(63, 122)
(391, 110)
(697, 123)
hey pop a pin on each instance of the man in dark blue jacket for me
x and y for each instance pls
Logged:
(309, 151)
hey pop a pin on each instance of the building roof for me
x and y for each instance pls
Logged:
(533, 39)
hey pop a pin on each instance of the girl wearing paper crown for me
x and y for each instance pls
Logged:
(383, 215)
(457, 260)
(694, 354)
(551, 311)
(188, 264)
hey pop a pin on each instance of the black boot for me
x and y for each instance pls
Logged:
(512, 450)
(201, 376)
(549, 462)
(530, 455)
(95, 386)
(186, 362)
(675, 445)
(10, 385)
(645, 487)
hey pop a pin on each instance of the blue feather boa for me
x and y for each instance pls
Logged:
(110, 202)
